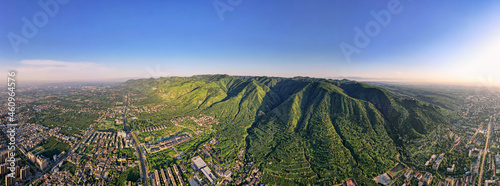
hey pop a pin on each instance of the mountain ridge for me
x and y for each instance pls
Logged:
(301, 130)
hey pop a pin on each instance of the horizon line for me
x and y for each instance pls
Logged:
(352, 78)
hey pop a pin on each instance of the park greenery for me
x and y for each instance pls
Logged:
(53, 146)
(127, 153)
(68, 166)
(132, 174)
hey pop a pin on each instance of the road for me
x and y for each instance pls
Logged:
(77, 146)
(475, 134)
(481, 171)
(142, 158)
(52, 166)
(454, 146)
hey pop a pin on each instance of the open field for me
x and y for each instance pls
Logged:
(396, 170)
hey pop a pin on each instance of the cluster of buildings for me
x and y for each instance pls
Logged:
(117, 139)
(255, 177)
(21, 172)
(205, 120)
(155, 128)
(30, 135)
(435, 162)
(68, 139)
(350, 182)
(39, 160)
(425, 179)
(199, 164)
(202, 121)
(239, 166)
(166, 177)
(215, 171)
(57, 178)
(94, 162)
(145, 109)
(410, 177)
(166, 142)
(225, 173)
(422, 179)
(383, 179)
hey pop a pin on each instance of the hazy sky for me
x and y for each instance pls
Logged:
(423, 40)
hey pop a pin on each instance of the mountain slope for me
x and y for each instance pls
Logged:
(337, 134)
(300, 130)
(405, 115)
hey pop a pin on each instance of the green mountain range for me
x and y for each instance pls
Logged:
(299, 130)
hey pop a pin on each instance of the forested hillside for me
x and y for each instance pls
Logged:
(298, 130)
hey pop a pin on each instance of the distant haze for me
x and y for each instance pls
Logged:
(424, 41)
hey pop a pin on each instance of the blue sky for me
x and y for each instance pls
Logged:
(448, 41)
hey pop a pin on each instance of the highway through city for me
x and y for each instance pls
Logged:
(142, 158)
(485, 151)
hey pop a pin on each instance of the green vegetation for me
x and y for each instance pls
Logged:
(396, 171)
(68, 166)
(457, 157)
(167, 157)
(127, 152)
(37, 149)
(109, 125)
(436, 94)
(331, 132)
(406, 115)
(70, 122)
(192, 125)
(162, 159)
(72, 108)
(298, 130)
(132, 174)
(147, 120)
(157, 135)
(88, 148)
(53, 146)
(420, 150)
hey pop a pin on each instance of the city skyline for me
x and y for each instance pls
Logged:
(420, 41)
